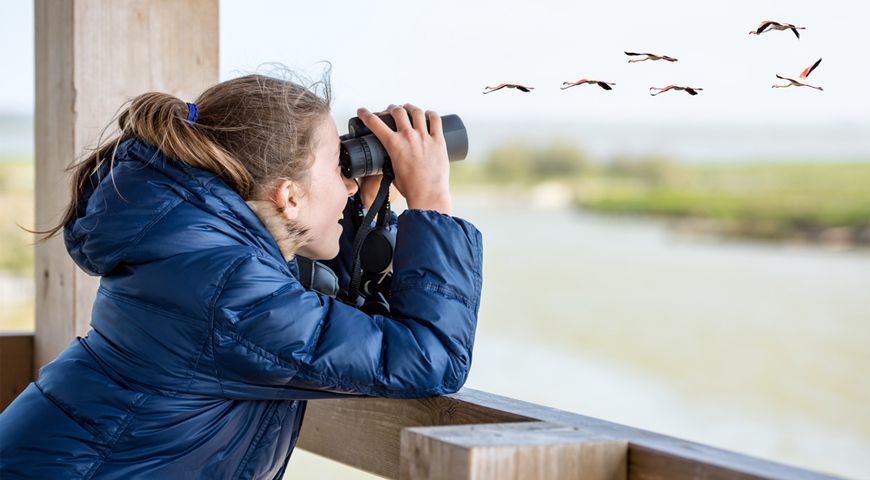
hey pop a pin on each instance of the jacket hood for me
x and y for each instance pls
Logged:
(150, 206)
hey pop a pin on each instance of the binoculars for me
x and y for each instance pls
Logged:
(363, 155)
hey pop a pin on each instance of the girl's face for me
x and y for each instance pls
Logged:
(320, 207)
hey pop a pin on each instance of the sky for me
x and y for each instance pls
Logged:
(440, 55)
(444, 53)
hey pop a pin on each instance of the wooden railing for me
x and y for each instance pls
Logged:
(477, 435)
(16, 364)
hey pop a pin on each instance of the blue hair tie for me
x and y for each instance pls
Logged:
(192, 112)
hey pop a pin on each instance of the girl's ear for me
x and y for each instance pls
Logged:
(287, 199)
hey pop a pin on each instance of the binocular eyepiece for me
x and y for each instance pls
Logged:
(363, 155)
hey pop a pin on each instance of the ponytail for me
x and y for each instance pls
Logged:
(250, 131)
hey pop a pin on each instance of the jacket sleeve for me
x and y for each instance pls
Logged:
(270, 331)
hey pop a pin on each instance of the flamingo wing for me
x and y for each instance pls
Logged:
(764, 26)
(604, 85)
(796, 33)
(691, 91)
(522, 88)
(574, 84)
(660, 90)
(489, 89)
(808, 70)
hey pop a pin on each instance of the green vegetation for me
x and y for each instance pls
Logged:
(16, 196)
(16, 251)
(771, 201)
(519, 161)
(808, 200)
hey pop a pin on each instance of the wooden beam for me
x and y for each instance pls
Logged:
(540, 450)
(16, 365)
(365, 433)
(91, 57)
(370, 428)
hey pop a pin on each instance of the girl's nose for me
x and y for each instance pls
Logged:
(351, 185)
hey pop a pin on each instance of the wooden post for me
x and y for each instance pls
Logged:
(91, 57)
(538, 450)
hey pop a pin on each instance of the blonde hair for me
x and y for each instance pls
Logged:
(252, 131)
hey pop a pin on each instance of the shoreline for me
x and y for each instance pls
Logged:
(558, 195)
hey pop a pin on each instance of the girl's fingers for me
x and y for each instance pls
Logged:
(375, 124)
(386, 110)
(417, 116)
(435, 127)
(401, 116)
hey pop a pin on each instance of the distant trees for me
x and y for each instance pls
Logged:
(522, 162)
(650, 169)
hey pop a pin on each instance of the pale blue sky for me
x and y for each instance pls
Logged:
(441, 54)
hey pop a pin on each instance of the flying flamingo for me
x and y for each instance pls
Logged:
(648, 56)
(770, 25)
(689, 90)
(799, 83)
(521, 88)
(604, 85)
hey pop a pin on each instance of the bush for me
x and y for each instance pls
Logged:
(651, 170)
(518, 162)
(560, 159)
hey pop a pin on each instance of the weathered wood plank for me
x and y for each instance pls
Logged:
(91, 57)
(16, 365)
(512, 451)
(365, 433)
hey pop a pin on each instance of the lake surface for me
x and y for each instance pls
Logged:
(758, 348)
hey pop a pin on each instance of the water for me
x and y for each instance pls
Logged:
(16, 135)
(756, 348)
(693, 143)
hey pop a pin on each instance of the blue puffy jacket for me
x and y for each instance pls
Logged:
(204, 346)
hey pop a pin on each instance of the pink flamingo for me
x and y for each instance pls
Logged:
(521, 88)
(604, 85)
(689, 90)
(648, 56)
(799, 83)
(770, 25)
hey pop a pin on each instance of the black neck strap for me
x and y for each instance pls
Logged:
(381, 207)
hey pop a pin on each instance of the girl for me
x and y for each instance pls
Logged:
(204, 345)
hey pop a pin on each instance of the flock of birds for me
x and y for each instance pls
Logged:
(765, 26)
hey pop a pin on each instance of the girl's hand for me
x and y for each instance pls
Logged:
(368, 190)
(419, 157)
(369, 186)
